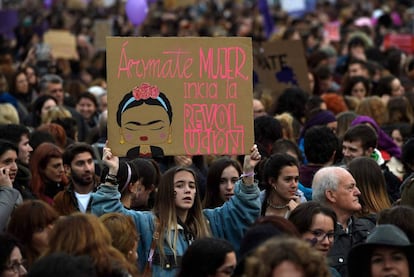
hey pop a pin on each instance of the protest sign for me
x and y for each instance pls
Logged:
(404, 42)
(62, 44)
(280, 64)
(101, 29)
(179, 96)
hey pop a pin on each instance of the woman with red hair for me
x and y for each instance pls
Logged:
(57, 132)
(48, 174)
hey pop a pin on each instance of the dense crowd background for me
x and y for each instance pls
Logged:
(330, 162)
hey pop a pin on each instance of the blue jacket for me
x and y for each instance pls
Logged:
(229, 221)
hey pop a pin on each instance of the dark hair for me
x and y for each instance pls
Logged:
(303, 215)
(313, 105)
(384, 85)
(362, 63)
(37, 106)
(63, 265)
(69, 124)
(125, 104)
(6, 145)
(320, 144)
(216, 168)
(145, 170)
(13, 83)
(352, 81)
(293, 101)
(363, 133)
(401, 216)
(275, 163)
(38, 137)
(323, 72)
(127, 174)
(282, 146)
(263, 229)
(267, 130)
(74, 149)
(281, 223)
(272, 168)
(149, 171)
(204, 256)
(407, 155)
(355, 42)
(89, 96)
(8, 242)
(13, 132)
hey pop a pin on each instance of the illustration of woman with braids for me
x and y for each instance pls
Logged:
(144, 116)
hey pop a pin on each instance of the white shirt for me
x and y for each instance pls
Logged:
(83, 200)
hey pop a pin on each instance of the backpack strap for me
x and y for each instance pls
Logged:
(155, 237)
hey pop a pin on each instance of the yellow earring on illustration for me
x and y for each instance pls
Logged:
(122, 140)
(169, 140)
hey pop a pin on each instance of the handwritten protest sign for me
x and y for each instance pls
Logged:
(62, 44)
(175, 96)
(280, 64)
(101, 29)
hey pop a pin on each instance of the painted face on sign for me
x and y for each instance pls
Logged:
(144, 116)
(145, 124)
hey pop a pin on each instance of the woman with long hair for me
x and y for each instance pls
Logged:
(222, 176)
(31, 223)
(83, 234)
(48, 174)
(124, 235)
(371, 182)
(40, 107)
(177, 217)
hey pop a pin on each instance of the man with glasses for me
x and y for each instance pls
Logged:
(335, 187)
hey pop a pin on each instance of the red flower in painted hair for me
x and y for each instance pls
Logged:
(145, 91)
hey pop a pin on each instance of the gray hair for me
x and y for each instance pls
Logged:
(49, 78)
(326, 178)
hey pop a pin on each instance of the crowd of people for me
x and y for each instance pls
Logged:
(327, 189)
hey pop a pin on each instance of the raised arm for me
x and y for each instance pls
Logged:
(231, 220)
(250, 162)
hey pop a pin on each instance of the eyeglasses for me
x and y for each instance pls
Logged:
(321, 235)
(16, 266)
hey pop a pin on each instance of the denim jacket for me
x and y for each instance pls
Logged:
(229, 221)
